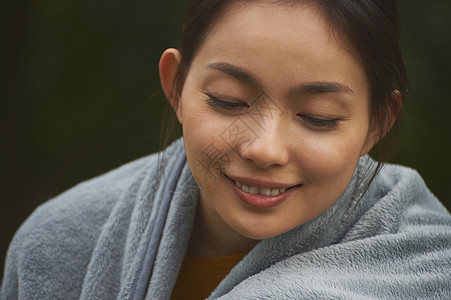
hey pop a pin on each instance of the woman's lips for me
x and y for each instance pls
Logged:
(263, 194)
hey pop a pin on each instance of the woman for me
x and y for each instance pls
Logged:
(270, 194)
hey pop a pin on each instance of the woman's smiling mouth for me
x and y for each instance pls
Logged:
(262, 191)
(265, 195)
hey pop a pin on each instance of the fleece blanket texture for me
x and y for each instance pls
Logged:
(123, 235)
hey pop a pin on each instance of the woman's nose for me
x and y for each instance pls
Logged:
(268, 147)
(266, 151)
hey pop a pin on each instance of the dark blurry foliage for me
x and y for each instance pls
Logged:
(80, 95)
(425, 135)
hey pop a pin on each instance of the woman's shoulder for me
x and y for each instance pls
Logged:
(398, 200)
(57, 239)
(90, 201)
(403, 187)
(55, 245)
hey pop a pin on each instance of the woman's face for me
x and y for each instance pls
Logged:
(275, 115)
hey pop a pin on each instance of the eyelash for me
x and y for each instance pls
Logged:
(321, 123)
(224, 105)
(236, 106)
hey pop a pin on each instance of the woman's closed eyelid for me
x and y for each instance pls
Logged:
(215, 102)
(321, 123)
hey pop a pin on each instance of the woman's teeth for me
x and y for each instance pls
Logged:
(261, 191)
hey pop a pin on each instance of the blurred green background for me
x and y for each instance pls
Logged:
(80, 93)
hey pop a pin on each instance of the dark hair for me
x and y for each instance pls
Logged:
(370, 29)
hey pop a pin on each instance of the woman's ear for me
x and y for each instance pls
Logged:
(375, 134)
(168, 67)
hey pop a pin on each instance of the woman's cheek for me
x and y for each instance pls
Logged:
(206, 152)
(327, 157)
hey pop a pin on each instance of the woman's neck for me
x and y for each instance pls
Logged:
(212, 237)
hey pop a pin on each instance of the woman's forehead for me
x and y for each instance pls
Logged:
(289, 41)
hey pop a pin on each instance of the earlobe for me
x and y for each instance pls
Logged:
(168, 68)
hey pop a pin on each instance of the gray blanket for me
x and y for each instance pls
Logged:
(123, 235)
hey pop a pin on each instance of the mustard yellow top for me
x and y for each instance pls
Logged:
(199, 276)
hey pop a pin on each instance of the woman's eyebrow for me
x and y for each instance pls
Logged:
(234, 71)
(321, 88)
(305, 88)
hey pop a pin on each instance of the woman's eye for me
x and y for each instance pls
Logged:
(321, 123)
(225, 105)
